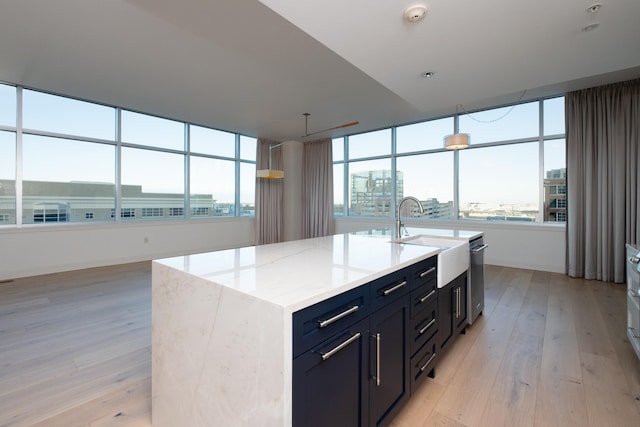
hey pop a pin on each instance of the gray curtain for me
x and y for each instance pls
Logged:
(269, 222)
(317, 189)
(603, 207)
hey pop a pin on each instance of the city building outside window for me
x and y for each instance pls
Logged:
(68, 156)
(497, 178)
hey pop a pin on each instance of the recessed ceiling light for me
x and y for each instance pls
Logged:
(594, 8)
(427, 74)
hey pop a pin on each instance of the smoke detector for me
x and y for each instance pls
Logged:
(415, 13)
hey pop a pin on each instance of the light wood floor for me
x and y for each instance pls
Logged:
(548, 351)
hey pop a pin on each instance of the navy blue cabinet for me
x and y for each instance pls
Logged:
(452, 308)
(389, 355)
(331, 381)
(352, 354)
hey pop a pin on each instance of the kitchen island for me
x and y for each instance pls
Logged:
(222, 339)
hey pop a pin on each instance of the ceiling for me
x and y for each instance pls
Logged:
(254, 67)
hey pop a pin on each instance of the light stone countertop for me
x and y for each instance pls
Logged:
(300, 273)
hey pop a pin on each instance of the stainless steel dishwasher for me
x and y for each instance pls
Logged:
(475, 294)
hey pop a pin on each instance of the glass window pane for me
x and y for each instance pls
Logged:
(66, 180)
(370, 144)
(370, 188)
(151, 179)
(212, 186)
(211, 141)
(555, 181)
(499, 183)
(423, 136)
(429, 178)
(142, 129)
(52, 113)
(248, 148)
(7, 105)
(338, 149)
(247, 189)
(7, 178)
(502, 124)
(554, 116)
(338, 189)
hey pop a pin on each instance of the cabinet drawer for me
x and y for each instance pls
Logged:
(423, 297)
(423, 363)
(389, 288)
(424, 327)
(424, 271)
(321, 321)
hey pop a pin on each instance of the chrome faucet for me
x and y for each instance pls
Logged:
(399, 223)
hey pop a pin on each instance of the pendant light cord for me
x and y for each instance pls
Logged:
(496, 119)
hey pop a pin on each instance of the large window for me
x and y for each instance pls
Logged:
(429, 177)
(511, 172)
(56, 114)
(371, 187)
(502, 124)
(7, 178)
(212, 187)
(64, 179)
(152, 179)
(77, 167)
(7, 105)
(423, 136)
(499, 183)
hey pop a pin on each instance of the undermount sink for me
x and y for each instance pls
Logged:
(453, 259)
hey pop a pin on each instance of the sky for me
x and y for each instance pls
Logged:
(495, 175)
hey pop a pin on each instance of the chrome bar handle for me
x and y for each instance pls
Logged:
(429, 295)
(325, 323)
(430, 324)
(479, 249)
(457, 292)
(429, 271)
(339, 347)
(395, 288)
(377, 359)
(427, 364)
(634, 259)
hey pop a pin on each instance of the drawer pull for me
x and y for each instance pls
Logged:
(395, 288)
(427, 296)
(427, 364)
(430, 324)
(325, 323)
(336, 349)
(377, 359)
(429, 271)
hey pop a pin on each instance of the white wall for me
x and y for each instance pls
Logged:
(35, 249)
(529, 246)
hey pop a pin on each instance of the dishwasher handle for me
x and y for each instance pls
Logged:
(479, 248)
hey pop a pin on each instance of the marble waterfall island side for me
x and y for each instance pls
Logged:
(222, 323)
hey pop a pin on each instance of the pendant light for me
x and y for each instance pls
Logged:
(457, 141)
(271, 173)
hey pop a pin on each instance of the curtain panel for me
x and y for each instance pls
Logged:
(317, 188)
(269, 225)
(603, 207)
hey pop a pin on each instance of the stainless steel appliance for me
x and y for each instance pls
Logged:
(633, 296)
(475, 294)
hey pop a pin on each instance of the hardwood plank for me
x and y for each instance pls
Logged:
(512, 399)
(609, 401)
(108, 407)
(560, 399)
(548, 351)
